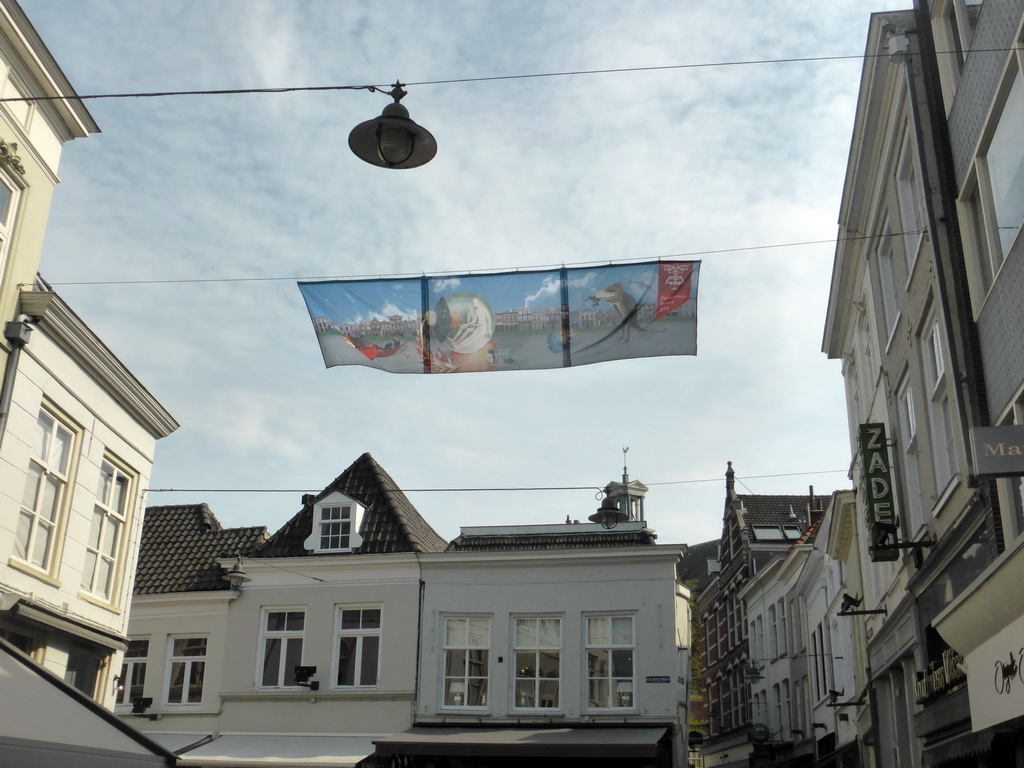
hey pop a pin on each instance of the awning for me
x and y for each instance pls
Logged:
(30, 612)
(285, 751)
(968, 745)
(524, 742)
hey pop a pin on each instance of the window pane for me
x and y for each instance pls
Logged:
(137, 649)
(195, 683)
(41, 444)
(549, 693)
(347, 661)
(350, 619)
(455, 632)
(41, 545)
(1006, 166)
(51, 495)
(33, 479)
(622, 630)
(549, 663)
(24, 530)
(106, 481)
(550, 633)
(479, 631)
(293, 658)
(368, 662)
(177, 682)
(526, 663)
(598, 631)
(62, 452)
(271, 660)
(526, 633)
(275, 621)
(455, 663)
(622, 663)
(190, 646)
(295, 621)
(371, 618)
(525, 694)
(120, 501)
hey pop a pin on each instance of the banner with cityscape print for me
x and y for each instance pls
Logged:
(507, 321)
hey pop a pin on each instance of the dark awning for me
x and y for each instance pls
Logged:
(524, 742)
(967, 745)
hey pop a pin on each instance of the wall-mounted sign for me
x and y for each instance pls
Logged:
(878, 495)
(658, 678)
(998, 451)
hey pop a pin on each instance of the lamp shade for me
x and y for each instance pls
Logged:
(608, 514)
(392, 140)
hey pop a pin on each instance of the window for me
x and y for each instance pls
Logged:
(909, 192)
(773, 633)
(187, 668)
(610, 648)
(336, 521)
(132, 680)
(83, 668)
(953, 22)
(281, 647)
(783, 632)
(887, 276)
(538, 650)
(113, 505)
(9, 194)
(940, 405)
(358, 646)
(907, 445)
(992, 204)
(467, 640)
(42, 501)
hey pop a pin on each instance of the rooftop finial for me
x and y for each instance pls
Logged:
(625, 472)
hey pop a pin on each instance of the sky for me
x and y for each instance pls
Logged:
(179, 232)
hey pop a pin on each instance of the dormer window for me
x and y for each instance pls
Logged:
(336, 520)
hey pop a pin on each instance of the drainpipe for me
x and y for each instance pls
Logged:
(16, 332)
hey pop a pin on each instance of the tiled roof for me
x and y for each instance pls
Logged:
(180, 546)
(693, 567)
(782, 510)
(390, 522)
(567, 540)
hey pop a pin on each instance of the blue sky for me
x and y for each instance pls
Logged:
(192, 218)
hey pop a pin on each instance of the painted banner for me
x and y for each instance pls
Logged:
(507, 321)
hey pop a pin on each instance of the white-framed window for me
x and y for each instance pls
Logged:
(109, 517)
(131, 682)
(783, 628)
(358, 660)
(773, 633)
(910, 194)
(336, 520)
(538, 662)
(43, 498)
(940, 416)
(953, 23)
(282, 632)
(611, 645)
(467, 643)
(992, 202)
(186, 670)
(10, 194)
(907, 445)
(887, 277)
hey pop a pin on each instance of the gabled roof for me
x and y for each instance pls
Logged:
(786, 511)
(693, 567)
(180, 547)
(568, 540)
(390, 522)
